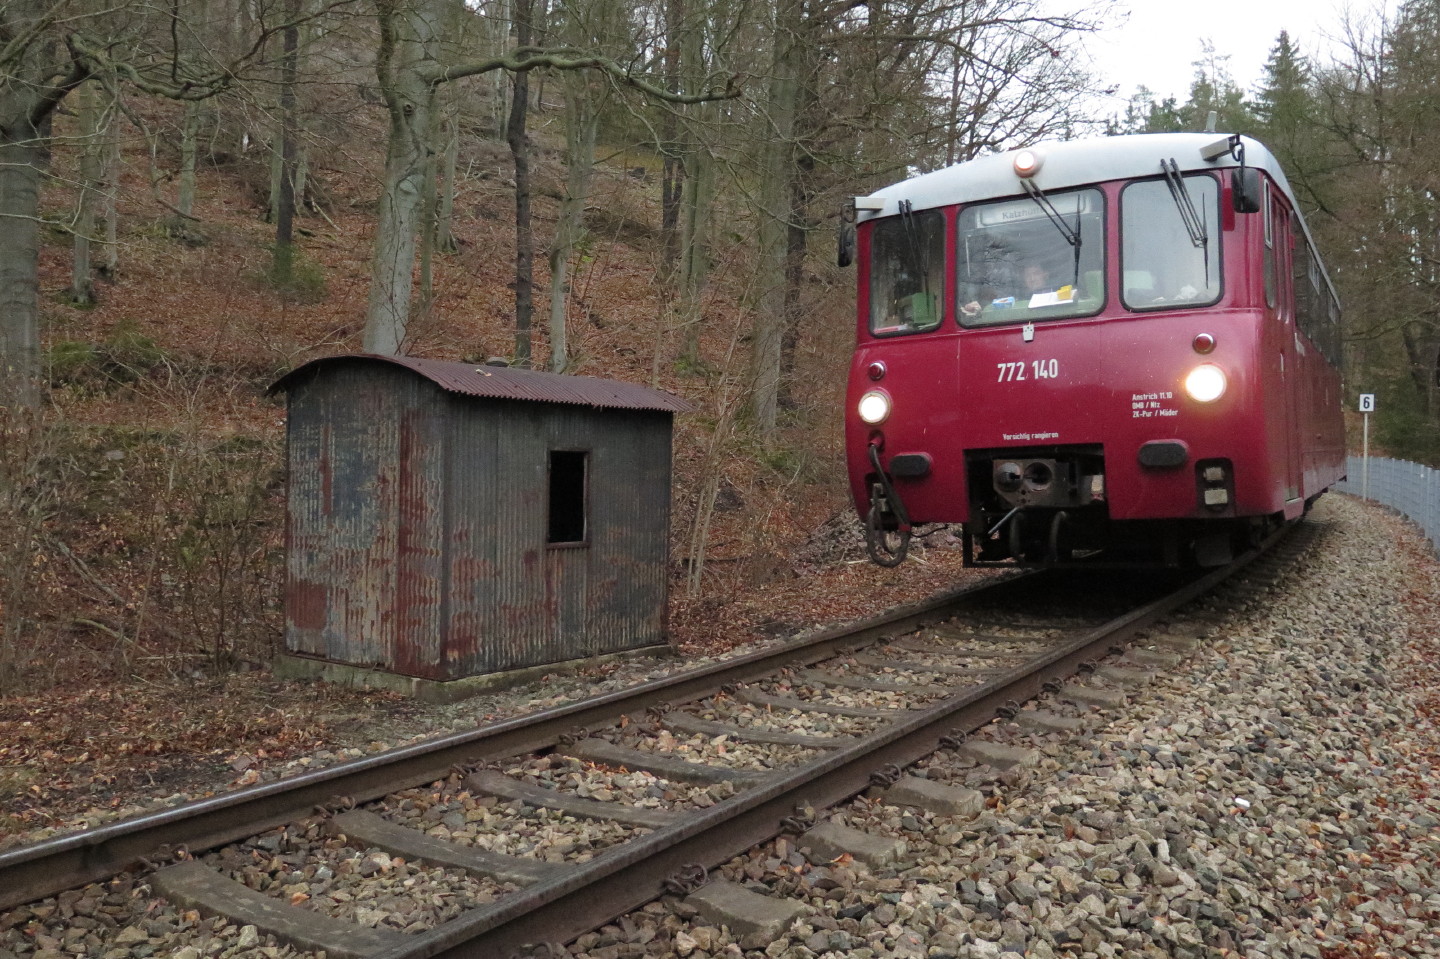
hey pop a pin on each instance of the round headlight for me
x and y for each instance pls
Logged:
(1205, 383)
(874, 407)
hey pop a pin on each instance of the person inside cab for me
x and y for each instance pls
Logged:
(1033, 282)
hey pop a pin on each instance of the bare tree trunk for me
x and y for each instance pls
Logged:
(673, 171)
(697, 187)
(524, 240)
(581, 27)
(717, 451)
(695, 246)
(430, 216)
(581, 121)
(797, 237)
(284, 261)
(769, 319)
(800, 174)
(954, 113)
(409, 43)
(109, 187)
(1415, 338)
(32, 85)
(444, 217)
(82, 287)
(277, 172)
(19, 265)
(497, 34)
(185, 179)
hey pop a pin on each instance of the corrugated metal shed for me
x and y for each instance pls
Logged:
(447, 520)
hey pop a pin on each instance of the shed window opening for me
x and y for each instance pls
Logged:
(567, 496)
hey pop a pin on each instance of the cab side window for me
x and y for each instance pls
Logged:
(907, 273)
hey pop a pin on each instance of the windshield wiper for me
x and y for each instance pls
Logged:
(1194, 224)
(1070, 233)
(914, 249)
(1181, 195)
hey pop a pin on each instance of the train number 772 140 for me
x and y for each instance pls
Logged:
(1016, 371)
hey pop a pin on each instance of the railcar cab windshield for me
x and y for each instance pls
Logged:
(1041, 257)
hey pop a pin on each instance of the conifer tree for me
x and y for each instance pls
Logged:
(1286, 115)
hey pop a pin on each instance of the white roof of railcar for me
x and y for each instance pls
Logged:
(1069, 163)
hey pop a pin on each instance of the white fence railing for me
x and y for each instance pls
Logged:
(1408, 488)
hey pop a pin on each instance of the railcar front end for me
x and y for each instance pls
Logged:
(1118, 350)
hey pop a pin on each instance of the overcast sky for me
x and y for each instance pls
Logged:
(1159, 43)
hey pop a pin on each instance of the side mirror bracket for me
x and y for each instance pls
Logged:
(1245, 190)
(1244, 182)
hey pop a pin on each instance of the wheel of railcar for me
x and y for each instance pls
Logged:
(1058, 552)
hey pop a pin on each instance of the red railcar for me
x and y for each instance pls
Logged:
(1118, 349)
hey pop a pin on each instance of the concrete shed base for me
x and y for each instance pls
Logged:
(289, 666)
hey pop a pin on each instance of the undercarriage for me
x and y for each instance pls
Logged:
(1047, 506)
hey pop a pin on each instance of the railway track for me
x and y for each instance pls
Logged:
(791, 731)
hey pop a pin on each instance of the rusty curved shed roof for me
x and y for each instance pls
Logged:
(507, 383)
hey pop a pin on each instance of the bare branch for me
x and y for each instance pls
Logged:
(566, 58)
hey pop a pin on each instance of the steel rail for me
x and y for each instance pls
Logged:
(630, 875)
(37, 870)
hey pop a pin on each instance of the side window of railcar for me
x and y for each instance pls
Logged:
(907, 273)
(1170, 243)
(1272, 283)
(1031, 259)
(1316, 312)
(1307, 303)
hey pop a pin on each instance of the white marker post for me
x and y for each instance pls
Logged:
(1367, 406)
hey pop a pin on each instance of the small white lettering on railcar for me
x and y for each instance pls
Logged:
(1144, 406)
